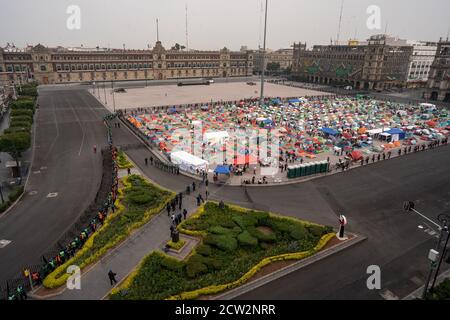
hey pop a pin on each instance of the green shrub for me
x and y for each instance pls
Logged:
(4, 206)
(223, 242)
(28, 90)
(15, 194)
(204, 250)
(22, 104)
(20, 124)
(21, 112)
(246, 239)
(316, 231)
(440, 292)
(244, 221)
(195, 268)
(172, 264)
(26, 118)
(271, 237)
(212, 263)
(298, 232)
(16, 129)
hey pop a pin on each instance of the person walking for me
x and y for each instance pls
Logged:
(151, 160)
(193, 186)
(198, 200)
(168, 209)
(128, 171)
(146, 161)
(95, 148)
(185, 213)
(112, 277)
(201, 197)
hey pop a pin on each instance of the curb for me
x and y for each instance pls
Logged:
(417, 294)
(33, 144)
(252, 285)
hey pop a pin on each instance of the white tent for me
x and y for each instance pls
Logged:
(188, 162)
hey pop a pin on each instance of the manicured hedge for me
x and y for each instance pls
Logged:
(441, 291)
(117, 227)
(122, 161)
(225, 258)
(21, 112)
(15, 194)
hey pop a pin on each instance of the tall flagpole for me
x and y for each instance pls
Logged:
(261, 98)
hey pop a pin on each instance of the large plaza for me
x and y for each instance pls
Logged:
(172, 95)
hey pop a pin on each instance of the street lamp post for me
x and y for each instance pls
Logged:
(114, 100)
(104, 91)
(434, 253)
(261, 98)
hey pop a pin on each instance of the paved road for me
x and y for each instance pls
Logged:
(371, 197)
(68, 125)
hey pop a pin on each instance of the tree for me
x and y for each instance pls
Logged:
(14, 144)
(178, 47)
(273, 66)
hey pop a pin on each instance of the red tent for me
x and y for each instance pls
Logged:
(347, 135)
(245, 159)
(431, 124)
(356, 155)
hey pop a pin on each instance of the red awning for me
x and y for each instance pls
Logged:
(245, 159)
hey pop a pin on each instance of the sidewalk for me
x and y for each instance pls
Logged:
(123, 259)
(6, 181)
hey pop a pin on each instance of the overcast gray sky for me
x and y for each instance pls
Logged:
(214, 24)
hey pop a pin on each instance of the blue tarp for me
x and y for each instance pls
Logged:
(222, 169)
(401, 133)
(172, 110)
(330, 131)
(294, 101)
(276, 101)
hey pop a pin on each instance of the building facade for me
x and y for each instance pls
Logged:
(420, 64)
(283, 57)
(65, 65)
(438, 85)
(375, 65)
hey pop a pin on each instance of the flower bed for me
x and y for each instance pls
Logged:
(176, 245)
(122, 161)
(138, 202)
(231, 252)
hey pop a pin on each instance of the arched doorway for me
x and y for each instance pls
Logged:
(160, 76)
(224, 74)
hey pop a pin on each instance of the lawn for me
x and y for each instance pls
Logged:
(139, 202)
(234, 242)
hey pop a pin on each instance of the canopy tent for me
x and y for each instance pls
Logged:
(356, 155)
(276, 101)
(294, 101)
(397, 134)
(172, 110)
(245, 159)
(221, 169)
(376, 131)
(330, 131)
(188, 162)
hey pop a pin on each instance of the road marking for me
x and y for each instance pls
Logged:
(388, 295)
(43, 168)
(32, 193)
(52, 194)
(36, 172)
(4, 243)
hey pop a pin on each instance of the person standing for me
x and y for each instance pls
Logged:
(168, 209)
(146, 161)
(184, 213)
(151, 160)
(193, 186)
(112, 277)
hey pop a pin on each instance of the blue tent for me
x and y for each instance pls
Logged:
(294, 101)
(401, 133)
(330, 131)
(172, 110)
(276, 101)
(221, 169)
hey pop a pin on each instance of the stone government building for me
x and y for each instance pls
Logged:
(65, 65)
(438, 86)
(374, 65)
